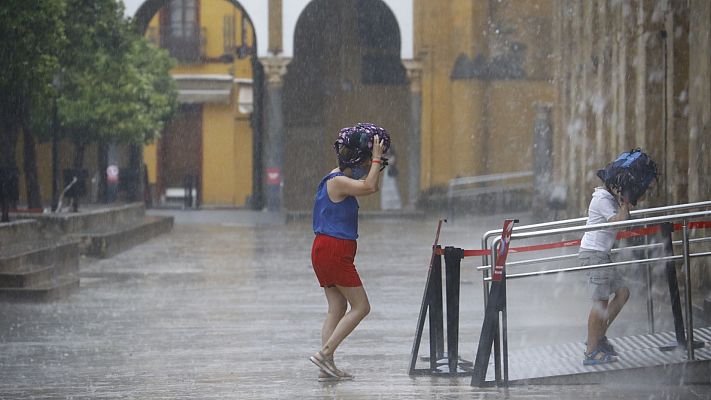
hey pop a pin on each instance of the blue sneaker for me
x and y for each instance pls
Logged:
(605, 346)
(597, 357)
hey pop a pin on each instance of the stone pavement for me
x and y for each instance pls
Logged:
(227, 306)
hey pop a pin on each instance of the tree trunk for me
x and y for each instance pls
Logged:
(8, 139)
(135, 162)
(78, 165)
(8, 143)
(103, 163)
(34, 198)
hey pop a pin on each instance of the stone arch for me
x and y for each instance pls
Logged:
(346, 69)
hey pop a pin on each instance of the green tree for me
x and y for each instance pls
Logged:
(116, 87)
(32, 33)
(125, 98)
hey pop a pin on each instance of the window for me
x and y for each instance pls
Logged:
(180, 32)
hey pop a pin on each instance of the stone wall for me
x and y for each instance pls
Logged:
(634, 73)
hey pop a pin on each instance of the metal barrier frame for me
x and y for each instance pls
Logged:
(574, 222)
(686, 257)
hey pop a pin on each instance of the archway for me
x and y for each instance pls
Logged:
(346, 69)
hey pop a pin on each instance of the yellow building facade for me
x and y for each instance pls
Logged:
(210, 141)
(466, 87)
(484, 67)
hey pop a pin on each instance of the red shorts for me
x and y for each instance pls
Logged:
(332, 259)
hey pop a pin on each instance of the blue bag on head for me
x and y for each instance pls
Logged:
(631, 173)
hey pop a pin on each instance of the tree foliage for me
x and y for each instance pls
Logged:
(116, 87)
(32, 33)
(83, 59)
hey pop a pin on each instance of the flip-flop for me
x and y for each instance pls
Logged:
(322, 362)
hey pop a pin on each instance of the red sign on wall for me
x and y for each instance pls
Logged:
(112, 174)
(273, 176)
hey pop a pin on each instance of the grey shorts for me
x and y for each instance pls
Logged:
(602, 282)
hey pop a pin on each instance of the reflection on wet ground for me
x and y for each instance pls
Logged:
(229, 308)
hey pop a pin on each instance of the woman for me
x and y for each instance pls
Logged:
(335, 222)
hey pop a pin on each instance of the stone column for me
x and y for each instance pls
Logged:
(274, 71)
(699, 100)
(675, 176)
(275, 26)
(700, 123)
(414, 75)
(542, 160)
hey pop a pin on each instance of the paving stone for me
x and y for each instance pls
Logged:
(226, 306)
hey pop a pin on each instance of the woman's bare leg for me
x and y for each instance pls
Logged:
(337, 306)
(360, 307)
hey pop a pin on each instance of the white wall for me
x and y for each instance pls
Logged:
(259, 13)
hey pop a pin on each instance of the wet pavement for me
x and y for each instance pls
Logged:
(227, 306)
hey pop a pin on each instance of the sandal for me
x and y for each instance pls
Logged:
(345, 376)
(325, 363)
(324, 377)
(342, 375)
(597, 357)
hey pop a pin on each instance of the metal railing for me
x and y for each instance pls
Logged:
(474, 186)
(574, 222)
(527, 232)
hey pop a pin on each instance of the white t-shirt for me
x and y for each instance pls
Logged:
(603, 206)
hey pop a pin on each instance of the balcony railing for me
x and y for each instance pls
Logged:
(186, 49)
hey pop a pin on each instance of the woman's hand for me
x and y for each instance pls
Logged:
(377, 147)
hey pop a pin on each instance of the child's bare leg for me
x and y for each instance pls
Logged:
(615, 306)
(597, 323)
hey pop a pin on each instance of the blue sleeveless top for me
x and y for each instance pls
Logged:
(339, 220)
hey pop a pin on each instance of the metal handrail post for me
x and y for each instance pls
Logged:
(485, 274)
(504, 334)
(687, 281)
(497, 326)
(650, 299)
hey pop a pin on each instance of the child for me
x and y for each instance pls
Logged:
(625, 181)
(359, 151)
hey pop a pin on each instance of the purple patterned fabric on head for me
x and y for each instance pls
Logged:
(359, 138)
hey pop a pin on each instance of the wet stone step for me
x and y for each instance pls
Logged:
(56, 289)
(107, 241)
(24, 229)
(39, 252)
(28, 276)
(87, 219)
